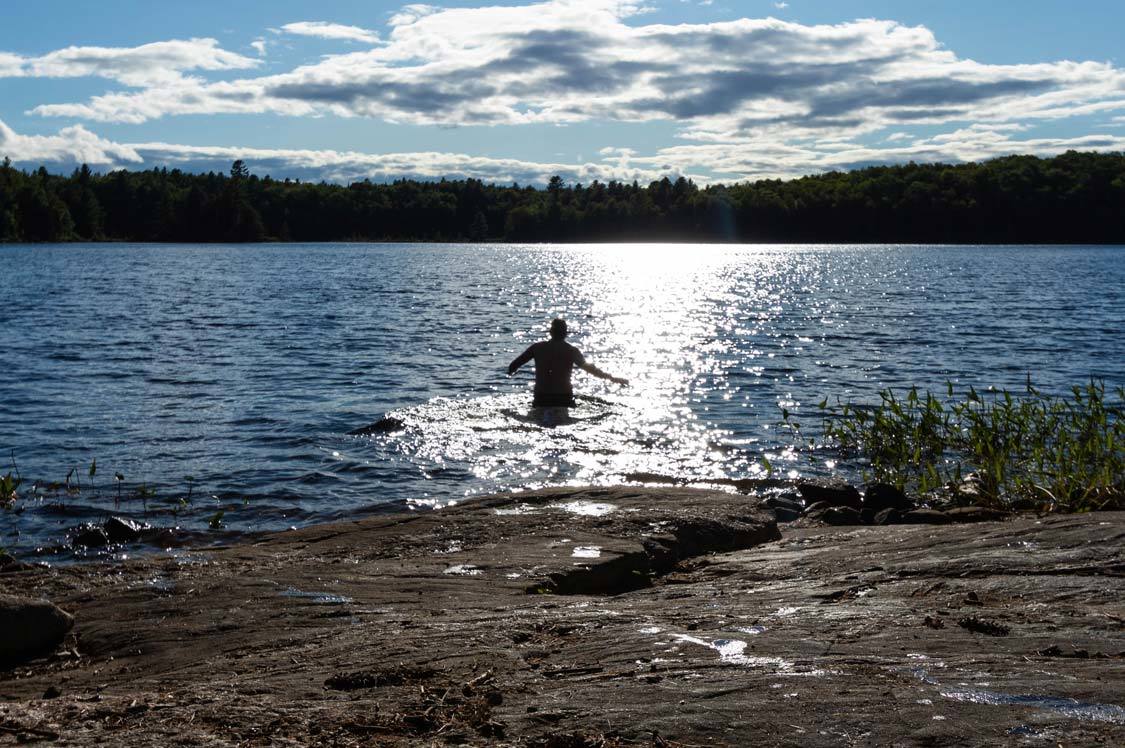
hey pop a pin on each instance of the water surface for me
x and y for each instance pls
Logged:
(245, 366)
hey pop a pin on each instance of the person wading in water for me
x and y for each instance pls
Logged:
(555, 359)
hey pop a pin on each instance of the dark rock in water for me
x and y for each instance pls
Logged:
(31, 628)
(836, 515)
(867, 516)
(976, 514)
(888, 517)
(835, 493)
(783, 509)
(384, 425)
(926, 517)
(121, 530)
(8, 564)
(89, 536)
(880, 496)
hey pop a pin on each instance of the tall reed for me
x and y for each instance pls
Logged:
(1030, 450)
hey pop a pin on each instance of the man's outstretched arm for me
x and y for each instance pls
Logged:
(520, 360)
(591, 369)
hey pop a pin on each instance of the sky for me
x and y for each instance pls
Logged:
(520, 90)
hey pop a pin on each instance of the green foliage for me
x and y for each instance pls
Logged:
(216, 521)
(1075, 197)
(9, 485)
(1031, 450)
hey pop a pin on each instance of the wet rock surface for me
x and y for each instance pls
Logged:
(30, 627)
(589, 616)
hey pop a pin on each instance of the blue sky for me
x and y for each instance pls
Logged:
(591, 89)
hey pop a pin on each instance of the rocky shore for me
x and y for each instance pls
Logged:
(595, 617)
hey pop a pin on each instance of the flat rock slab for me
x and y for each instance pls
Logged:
(571, 616)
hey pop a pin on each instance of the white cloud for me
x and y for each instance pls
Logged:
(259, 46)
(325, 30)
(76, 145)
(710, 162)
(562, 61)
(144, 66)
(71, 145)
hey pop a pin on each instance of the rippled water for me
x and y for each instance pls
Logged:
(245, 367)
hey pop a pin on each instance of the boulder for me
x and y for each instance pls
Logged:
(8, 563)
(926, 517)
(837, 515)
(880, 496)
(31, 628)
(784, 510)
(833, 492)
(816, 508)
(121, 530)
(888, 517)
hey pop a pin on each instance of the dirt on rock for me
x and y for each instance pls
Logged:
(592, 617)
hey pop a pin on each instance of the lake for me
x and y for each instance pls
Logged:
(244, 367)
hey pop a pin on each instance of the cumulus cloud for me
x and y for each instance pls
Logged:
(144, 66)
(72, 145)
(76, 145)
(779, 159)
(563, 61)
(705, 163)
(325, 30)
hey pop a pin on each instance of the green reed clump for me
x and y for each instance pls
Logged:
(1035, 450)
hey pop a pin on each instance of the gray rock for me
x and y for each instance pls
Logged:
(880, 496)
(926, 517)
(834, 492)
(976, 514)
(783, 509)
(816, 508)
(31, 628)
(888, 517)
(837, 515)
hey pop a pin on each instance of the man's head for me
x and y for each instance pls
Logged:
(558, 328)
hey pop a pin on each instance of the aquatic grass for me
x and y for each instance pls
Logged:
(1031, 450)
(9, 488)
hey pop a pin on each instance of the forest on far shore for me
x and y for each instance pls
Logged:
(1072, 198)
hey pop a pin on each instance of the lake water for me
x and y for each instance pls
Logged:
(245, 366)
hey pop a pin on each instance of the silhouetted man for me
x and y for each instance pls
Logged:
(555, 359)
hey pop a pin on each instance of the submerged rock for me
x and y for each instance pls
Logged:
(121, 530)
(89, 536)
(384, 425)
(31, 628)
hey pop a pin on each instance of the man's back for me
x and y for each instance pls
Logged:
(554, 362)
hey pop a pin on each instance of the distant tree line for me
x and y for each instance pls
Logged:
(1075, 197)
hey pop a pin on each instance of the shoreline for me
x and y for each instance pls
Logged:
(592, 616)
